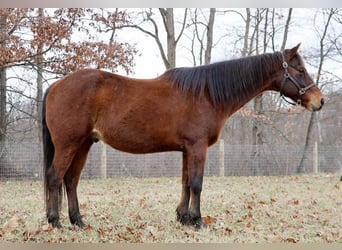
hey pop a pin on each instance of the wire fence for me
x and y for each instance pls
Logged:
(23, 161)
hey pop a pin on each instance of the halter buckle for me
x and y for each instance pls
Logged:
(302, 91)
(285, 65)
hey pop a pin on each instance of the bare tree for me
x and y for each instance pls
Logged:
(324, 50)
(168, 55)
(202, 35)
(3, 98)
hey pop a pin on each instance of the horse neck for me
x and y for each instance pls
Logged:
(245, 78)
(229, 110)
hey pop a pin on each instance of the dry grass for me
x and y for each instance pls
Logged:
(238, 209)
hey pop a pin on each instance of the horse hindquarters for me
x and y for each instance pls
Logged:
(62, 160)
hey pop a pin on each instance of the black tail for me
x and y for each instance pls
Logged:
(48, 147)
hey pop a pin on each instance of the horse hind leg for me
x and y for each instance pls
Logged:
(71, 180)
(54, 179)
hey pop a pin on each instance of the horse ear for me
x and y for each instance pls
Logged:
(292, 52)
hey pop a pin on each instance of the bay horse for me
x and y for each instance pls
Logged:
(183, 110)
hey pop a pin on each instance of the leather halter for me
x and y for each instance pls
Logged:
(288, 76)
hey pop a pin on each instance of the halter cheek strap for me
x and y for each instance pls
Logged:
(288, 76)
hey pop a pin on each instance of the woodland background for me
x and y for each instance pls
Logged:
(266, 137)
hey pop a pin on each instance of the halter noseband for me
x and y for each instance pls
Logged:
(287, 75)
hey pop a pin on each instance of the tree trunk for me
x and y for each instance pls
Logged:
(3, 87)
(246, 36)
(3, 113)
(313, 117)
(286, 29)
(300, 168)
(39, 97)
(168, 18)
(210, 31)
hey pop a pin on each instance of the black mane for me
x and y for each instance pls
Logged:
(226, 81)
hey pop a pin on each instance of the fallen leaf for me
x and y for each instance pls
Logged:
(47, 228)
(209, 220)
(130, 230)
(335, 235)
(228, 231)
(228, 212)
(262, 202)
(291, 240)
(88, 228)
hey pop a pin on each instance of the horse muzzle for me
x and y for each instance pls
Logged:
(316, 104)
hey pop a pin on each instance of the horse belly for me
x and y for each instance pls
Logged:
(141, 137)
(141, 143)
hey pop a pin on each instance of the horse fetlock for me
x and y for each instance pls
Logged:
(197, 223)
(76, 219)
(188, 220)
(54, 221)
(182, 218)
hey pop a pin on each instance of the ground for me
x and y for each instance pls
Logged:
(304, 208)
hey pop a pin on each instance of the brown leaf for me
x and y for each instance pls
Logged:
(209, 220)
(228, 231)
(130, 230)
(295, 202)
(47, 228)
(335, 235)
(228, 212)
(291, 240)
(102, 232)
(262, 202)
(88, 228)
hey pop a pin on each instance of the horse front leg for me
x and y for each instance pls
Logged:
(192, 186)
(183, 207)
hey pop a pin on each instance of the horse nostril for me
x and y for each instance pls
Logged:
(322, 101)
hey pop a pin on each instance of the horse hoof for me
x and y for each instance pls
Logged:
(56, 224)
(54, 221)
(80, 223)
(76, 220)
(198, 223)
(183, 218)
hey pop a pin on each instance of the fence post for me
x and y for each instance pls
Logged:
(103, 169)
(221, 157)
(315, 158)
